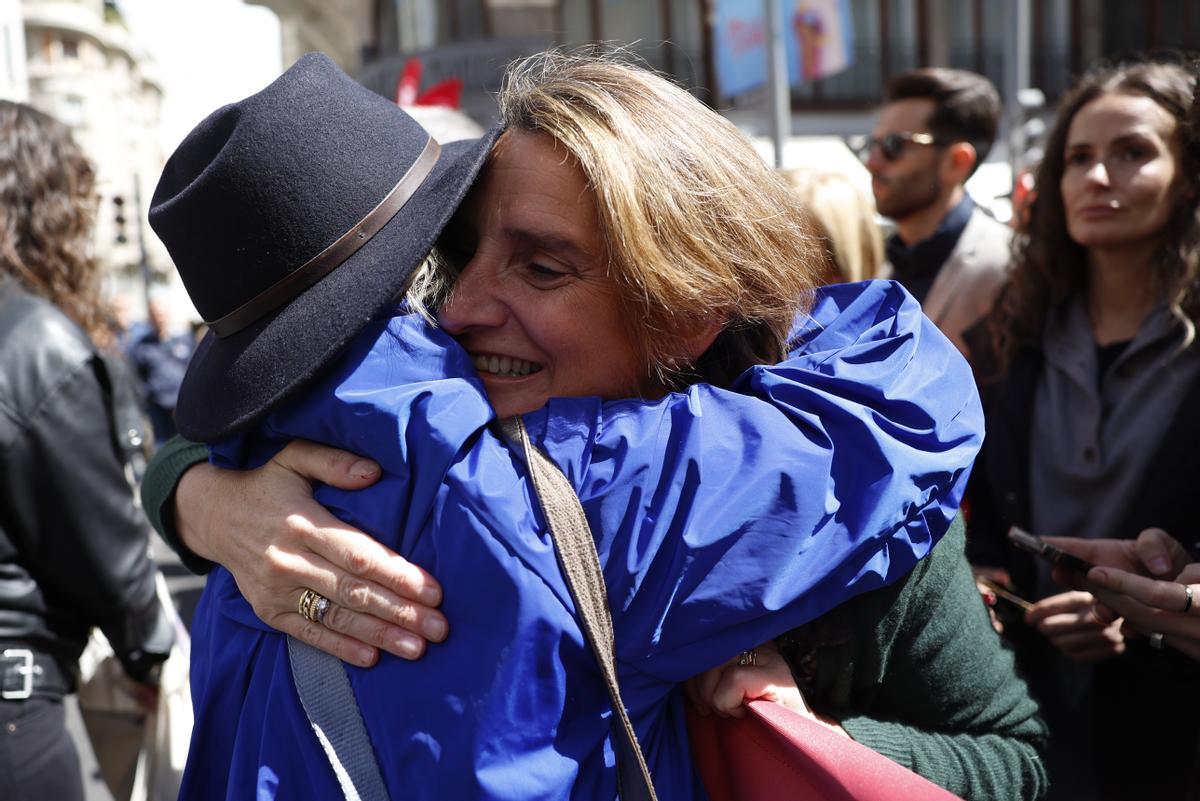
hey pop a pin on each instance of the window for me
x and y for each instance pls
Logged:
(70, 111)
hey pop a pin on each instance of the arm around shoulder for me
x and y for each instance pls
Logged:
(163, 475)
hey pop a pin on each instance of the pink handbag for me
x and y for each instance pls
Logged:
(774, 753)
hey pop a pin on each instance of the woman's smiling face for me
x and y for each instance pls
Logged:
(534, 304)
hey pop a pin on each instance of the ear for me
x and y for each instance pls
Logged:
(958, 162)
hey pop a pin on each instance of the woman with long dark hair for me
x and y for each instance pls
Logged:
(73, 544)
(1091, 386)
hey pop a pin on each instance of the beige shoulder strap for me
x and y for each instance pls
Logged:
(580, 564)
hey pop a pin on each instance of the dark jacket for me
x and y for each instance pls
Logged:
(160, 365)
(73, 543)
(1142, 707)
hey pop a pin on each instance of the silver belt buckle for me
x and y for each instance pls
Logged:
(27, 671)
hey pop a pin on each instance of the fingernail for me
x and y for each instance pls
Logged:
(407, 646)
(1159, 565)
(434, 629)
(1099, 575)
(364, 657)
(364, 468)
(430, 596)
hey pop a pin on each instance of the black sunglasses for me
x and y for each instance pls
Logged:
(892, 145)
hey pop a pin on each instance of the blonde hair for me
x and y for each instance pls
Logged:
(844, 218)
(696, 226)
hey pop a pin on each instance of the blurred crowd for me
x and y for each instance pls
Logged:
(1079, 323)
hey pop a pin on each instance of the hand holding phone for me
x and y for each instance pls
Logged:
(1044, 550)
(1003, 593)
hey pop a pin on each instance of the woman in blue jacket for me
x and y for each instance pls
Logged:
(834, 458)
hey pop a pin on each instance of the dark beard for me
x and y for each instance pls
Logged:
(911, 194)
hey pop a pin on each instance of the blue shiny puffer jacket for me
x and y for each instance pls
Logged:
(722, 517)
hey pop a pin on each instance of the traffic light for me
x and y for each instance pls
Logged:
(119, 219)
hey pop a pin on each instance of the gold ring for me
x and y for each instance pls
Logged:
(321, 609)
(747, 658)
(313, 606)
(1187, 597)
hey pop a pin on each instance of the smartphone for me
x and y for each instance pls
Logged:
(1004, 594)
(1039, 547)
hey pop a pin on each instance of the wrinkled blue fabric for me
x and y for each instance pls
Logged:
(722, 518)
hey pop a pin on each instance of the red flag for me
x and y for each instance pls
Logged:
(448, 93)
(409, 83)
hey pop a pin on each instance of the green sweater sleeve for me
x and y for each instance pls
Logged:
(925, 680)
(163, 473)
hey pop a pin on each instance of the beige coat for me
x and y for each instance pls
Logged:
(968, 282)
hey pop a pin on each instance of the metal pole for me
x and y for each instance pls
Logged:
(779, 99)
(1016, 78)
(143, 261)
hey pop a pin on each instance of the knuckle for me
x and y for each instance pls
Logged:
(1163, 593)
(337, 618)
(342, 651)
(358, 561)
(739, 675)
(272, 617)
(376, 634)
(311, 633)
(273, 567)
(405, 615)
(353, 592)
(337, 461)
(293, 449)
(409, 577)
(299, 526)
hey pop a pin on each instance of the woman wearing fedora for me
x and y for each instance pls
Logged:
(761, 477)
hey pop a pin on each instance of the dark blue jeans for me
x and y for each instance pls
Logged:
(37, 758)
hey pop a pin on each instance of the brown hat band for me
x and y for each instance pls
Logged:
(290, 286)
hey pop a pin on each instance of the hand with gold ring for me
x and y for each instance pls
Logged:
(1149, 583)
(314, 606)
(265, 528)
(758, 674)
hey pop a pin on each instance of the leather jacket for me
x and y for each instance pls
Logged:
(73, 542)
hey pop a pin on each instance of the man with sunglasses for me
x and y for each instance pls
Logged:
(936, 127)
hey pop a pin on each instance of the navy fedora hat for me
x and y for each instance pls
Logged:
(295, 217)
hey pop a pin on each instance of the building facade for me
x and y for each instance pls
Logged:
(473, 38)
(337, 28)
(14, 82)
(86, 70)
